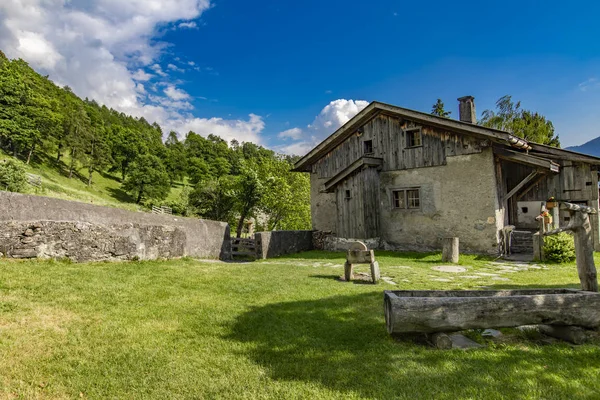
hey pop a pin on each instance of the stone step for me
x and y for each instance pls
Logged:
(522, 242)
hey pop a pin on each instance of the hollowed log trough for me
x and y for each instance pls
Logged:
(429, 311)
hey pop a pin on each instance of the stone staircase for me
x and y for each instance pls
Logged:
(522, 242)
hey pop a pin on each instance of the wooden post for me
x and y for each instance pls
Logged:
(555, 217)
(375, 274)
(579, 224)
(538, 247)
(440, 340)
(450, 250)
(348, 271)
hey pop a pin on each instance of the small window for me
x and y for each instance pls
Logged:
(525, 210)
(413, 138)
(348, 196)
(406, 199)
(413, 198)
(368, 146)
(399, 199)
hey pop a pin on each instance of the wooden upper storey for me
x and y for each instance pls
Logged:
(389, 128)
(392, 139)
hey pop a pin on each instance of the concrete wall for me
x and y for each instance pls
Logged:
(527, 211)
(323, 209)
(278, 243)
(458, 199)
(148, 235)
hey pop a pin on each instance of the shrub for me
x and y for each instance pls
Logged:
(559, 248)
(12, 176)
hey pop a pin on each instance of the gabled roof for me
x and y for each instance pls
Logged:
(495, 135)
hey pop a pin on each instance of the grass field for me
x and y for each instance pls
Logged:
(281, 329)
(105, 190)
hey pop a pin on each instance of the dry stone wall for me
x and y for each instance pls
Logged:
(35, 226)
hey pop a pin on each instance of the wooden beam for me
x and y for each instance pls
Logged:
(527, 159)
(361, 162)
(520, 185)
(531, 185)
(563, 154)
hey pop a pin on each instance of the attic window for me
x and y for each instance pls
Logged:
(413, 137)
(368, 147)
(348, 195)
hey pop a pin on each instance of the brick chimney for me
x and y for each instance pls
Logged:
(466, 109)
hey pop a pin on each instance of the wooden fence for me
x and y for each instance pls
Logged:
(162, 210)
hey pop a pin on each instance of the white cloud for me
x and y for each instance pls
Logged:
(294, 133)
(331, 117)
(102, 50)
(242, 130)
(189, 25)
(175, 68)
(176, 94)
(141, 75)
(589, 84)
(158, 69)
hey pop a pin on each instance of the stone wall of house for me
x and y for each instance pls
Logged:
(458, 199)
(36, 226)
(323, 208)
(278, 243)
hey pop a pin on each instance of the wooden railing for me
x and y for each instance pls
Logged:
(162, 210)
(34, 180)
(243, 247)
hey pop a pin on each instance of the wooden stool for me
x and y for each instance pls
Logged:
(359, 254)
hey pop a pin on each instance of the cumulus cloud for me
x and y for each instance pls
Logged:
(248, 130)
(331, 117)
(175, 68)
(141, 75)
(294, 133)
(176, 94)
(189, 25)
(102, 50)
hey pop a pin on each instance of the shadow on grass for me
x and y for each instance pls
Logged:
(120, 195)
(341, 343)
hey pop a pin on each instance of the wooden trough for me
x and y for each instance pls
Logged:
(429, 311)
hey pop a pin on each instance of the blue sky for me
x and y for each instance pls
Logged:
(254, 69)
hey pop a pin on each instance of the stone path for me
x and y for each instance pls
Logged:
(449, 268)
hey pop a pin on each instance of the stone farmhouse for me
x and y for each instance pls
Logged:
(411, 178)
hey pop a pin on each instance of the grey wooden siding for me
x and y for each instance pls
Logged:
(389, 142)
(358, 216)
(576, 182)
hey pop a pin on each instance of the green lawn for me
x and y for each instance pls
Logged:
(105, 190)
(282, 328)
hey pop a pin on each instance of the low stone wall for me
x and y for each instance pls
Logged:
(278, 243)
(36, 226)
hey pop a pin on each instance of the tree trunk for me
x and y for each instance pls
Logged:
(412, 311)
(241, 224)
(72, 163)
(91, 171)
(59, 153)
(29, 154)
(140, 194)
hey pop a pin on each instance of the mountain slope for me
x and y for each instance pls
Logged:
(591, 148)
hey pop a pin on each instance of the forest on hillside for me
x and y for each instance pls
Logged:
(40, 121)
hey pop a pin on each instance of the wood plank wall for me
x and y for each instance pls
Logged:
(575, 182)
(389, 142)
